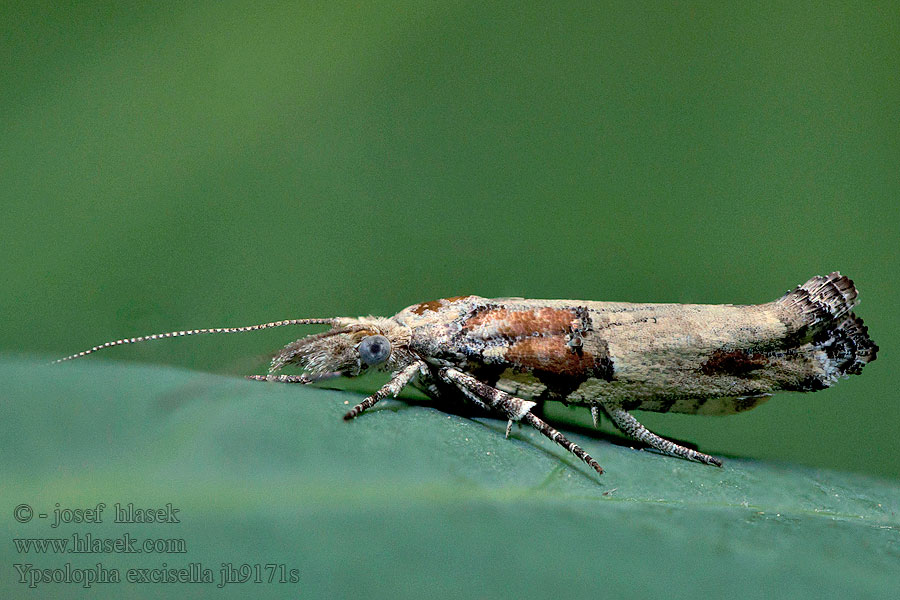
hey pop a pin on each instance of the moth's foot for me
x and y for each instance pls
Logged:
(281, 378)
(630, 426)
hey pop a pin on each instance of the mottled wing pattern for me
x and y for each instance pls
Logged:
(698, 359)
(542, 350)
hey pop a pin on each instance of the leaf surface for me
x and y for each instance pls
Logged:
(407, 500)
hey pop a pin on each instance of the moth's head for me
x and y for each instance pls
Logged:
(350, 347)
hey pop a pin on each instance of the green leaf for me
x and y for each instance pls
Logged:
(407, 501)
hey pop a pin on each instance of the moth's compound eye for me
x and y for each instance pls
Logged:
(374, 349)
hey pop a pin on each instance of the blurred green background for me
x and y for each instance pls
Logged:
(184, 165)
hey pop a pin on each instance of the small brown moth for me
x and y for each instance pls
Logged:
(506, 355)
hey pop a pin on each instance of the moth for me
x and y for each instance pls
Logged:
(508, 355)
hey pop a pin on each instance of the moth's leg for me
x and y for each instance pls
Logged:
(304, 378)
(630, 426)
(391, 388)
(514, 409)
(560, 439)
(448, 397)
(480, 404)
(477, 401)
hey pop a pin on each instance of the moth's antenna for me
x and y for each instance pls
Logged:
(171, 334)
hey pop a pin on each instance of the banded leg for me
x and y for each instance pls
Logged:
(304, 378)
(514, 409)
(563, 441)
(630, 426)
(391, 388)
(480, 404)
